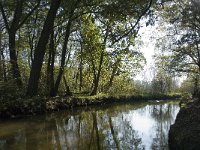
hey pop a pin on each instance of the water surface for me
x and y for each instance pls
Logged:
(127, 126)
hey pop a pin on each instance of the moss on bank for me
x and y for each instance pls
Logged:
(185, 133)
(38, 105)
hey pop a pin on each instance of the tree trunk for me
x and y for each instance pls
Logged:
(3, 66)
(40, 49)
(13, 59)
(81, 74)
(94, 87)
(64, 50)
(1, 61)
(114, 71)
(50, 66)
(52, 70)
(12, 45)
(97, 77)
(67, 91)
(196, 92)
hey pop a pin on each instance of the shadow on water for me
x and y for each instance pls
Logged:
(128, 126)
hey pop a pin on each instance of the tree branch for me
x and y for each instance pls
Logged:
(136, 23)
(29, 14)
(4, 17)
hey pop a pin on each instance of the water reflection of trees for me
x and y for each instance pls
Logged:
(163, 114)
(102, 129)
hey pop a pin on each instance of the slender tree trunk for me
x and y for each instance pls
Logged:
(76, 79)
(94, 87)
(50, 65)
(13, 59)
(12, 45)
(196, 92)
(3, 66)
(1, 61)
(111, 78)
(40, 49)
(114, 71)
(81, 71)
(52, 69)
(61, 69)
(97, 77)
(64, 50)
(67, 91)
(63, 57)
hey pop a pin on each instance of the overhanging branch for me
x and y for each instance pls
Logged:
(136, 23)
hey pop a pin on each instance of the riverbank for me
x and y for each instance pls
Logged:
(184, 134)
(39, 105)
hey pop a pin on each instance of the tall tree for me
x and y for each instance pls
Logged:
(65, 44)
(114, 24)
(41, 48)
(18, 20)
(182, 42)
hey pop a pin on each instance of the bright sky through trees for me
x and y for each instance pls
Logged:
(148, 38)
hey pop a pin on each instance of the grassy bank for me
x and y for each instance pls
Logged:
(38, 105)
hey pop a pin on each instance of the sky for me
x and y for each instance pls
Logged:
(147, 35)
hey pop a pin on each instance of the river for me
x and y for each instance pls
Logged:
(132, 126)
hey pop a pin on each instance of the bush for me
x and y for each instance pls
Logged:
(8, 90)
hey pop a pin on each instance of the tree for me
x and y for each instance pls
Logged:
(94, 47)
(64, 51)
(123, 60)
(182, 41)
(114, 27)
(40, 49)
(19, 17)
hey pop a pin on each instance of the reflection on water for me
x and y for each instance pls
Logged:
(133, 126)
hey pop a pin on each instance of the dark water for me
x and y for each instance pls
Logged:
(128, 127)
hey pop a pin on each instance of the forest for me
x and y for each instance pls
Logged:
(52, 48)
(76, 47)
(61, 54)
(79, 47)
